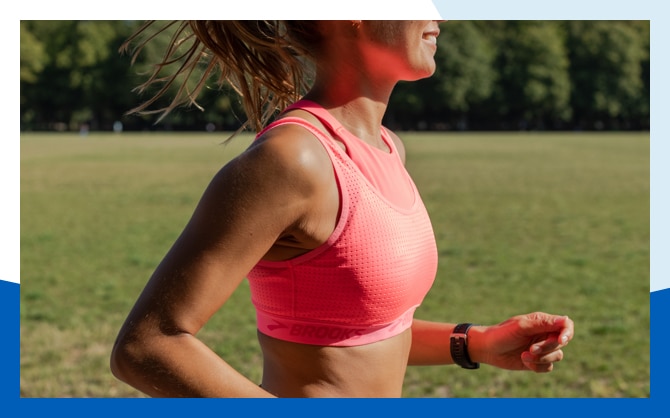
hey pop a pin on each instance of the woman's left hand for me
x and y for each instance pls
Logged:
(533, 342)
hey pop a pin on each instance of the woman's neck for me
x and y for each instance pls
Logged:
(358, 106)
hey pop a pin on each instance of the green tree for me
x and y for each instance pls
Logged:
(463, 79)
(32, 53)
(490, 75)
(533, 88)
(639, 112)
(217, 105)
(80, 76)
(607, 63)
(465, 74)
(33, 60)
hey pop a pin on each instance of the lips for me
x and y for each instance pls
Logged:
(431, 36)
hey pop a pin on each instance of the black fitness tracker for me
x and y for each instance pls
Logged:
(459, 347)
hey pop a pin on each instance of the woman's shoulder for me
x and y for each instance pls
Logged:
(291, 153)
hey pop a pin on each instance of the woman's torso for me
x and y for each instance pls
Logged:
(293, 369)
(374, 370)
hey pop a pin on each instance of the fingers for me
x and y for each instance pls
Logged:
(540, 322)
(543, 322)
(566, 327)
(568, 330)
(551, 343)
(542, 363)
(542, 355)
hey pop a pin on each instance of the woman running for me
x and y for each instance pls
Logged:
(321, 217)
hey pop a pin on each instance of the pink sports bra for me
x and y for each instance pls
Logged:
(365, 282)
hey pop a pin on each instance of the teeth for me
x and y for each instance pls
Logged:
(430, 38)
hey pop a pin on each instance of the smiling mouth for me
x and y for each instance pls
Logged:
(430, 37)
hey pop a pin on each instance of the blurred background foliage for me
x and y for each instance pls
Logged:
(492, 75)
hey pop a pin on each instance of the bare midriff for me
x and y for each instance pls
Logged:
(375, 370)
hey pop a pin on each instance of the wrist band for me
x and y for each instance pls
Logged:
(459, 347)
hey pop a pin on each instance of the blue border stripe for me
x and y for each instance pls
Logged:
(11, 401)
(10, 342)
(660, 341)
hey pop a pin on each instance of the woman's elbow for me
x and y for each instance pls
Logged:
(120, 359)
(127, 356)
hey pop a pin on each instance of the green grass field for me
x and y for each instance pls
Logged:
(524, 222)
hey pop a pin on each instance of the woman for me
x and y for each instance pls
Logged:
(322, 218)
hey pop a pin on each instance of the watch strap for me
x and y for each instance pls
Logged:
(459, 347)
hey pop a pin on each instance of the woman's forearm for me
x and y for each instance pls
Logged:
(179, 365)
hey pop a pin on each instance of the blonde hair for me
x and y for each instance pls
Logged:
(268, 63)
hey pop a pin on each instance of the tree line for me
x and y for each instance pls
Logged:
(491, 75)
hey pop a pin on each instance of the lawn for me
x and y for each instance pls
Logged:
(524, 222)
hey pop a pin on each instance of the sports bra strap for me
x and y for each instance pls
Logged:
(331, 147)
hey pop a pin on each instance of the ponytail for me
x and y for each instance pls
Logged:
(268, 63)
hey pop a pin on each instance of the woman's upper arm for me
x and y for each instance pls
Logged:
(247, 206)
